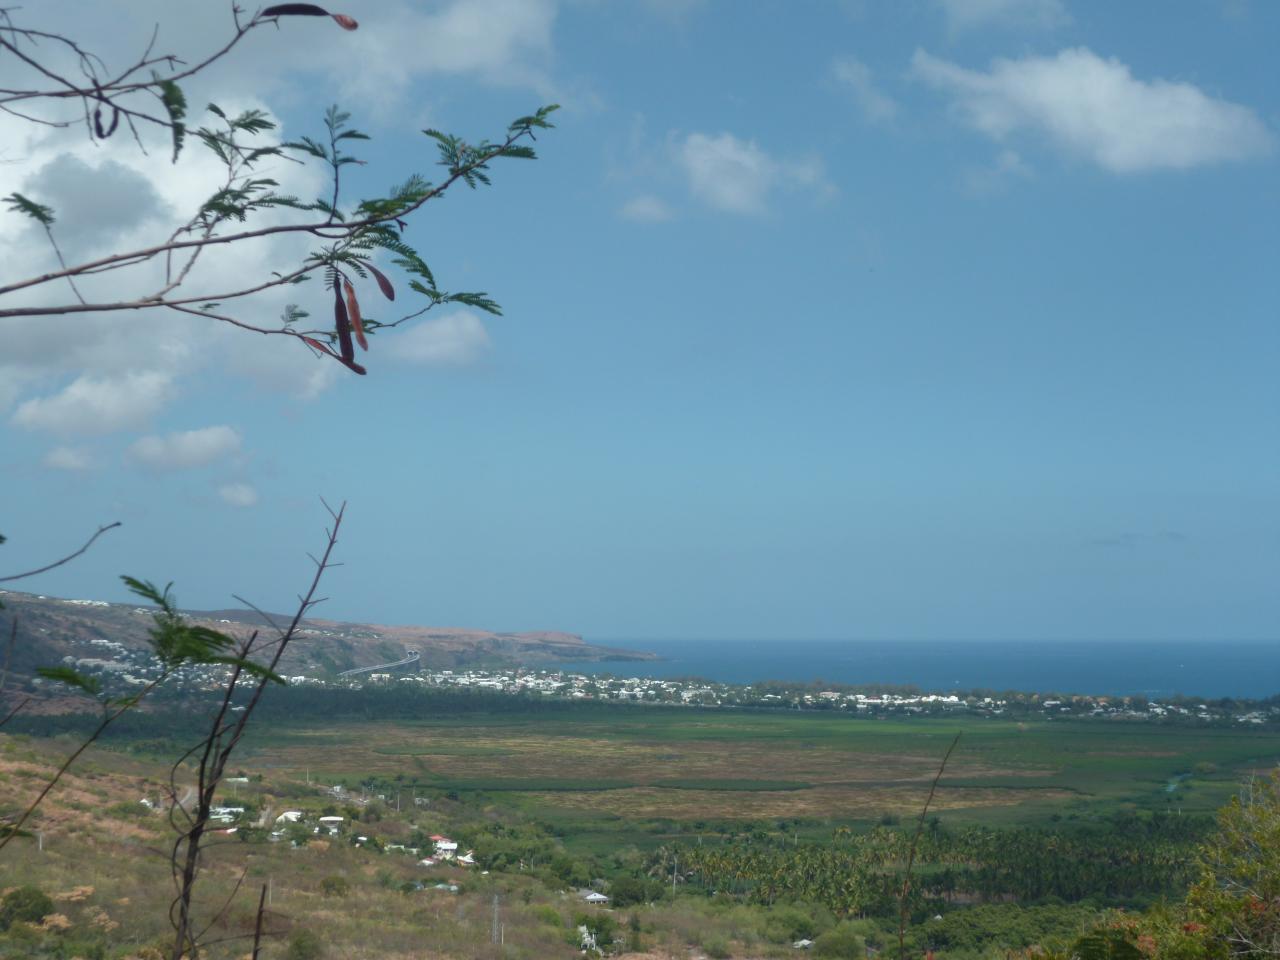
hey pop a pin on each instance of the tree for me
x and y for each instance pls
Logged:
(1236, 901)
(27, 903)
(62, 83)
(164, 275)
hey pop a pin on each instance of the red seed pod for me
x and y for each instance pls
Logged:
(342, 325)
(384, 284)
(353, 313)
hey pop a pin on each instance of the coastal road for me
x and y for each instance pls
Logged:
(413, 657)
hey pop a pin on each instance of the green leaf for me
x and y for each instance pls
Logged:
(90, 685)
(36, 211)
(149, 591)
(175, 102)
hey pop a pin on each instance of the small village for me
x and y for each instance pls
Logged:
(776, 695)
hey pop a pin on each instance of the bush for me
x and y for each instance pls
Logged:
(785, 924)
(25, 903)
(716, 947)
(841, 941)
(304, 945)
(335, 887)
(546, 913)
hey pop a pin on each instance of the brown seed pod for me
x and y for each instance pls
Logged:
(353, 313)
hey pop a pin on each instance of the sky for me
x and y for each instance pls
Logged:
(917, 319)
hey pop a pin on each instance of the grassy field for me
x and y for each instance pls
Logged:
(689, 766)
(603, 787)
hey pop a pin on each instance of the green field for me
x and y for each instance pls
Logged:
(592, 769)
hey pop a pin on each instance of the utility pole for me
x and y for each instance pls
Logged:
(675, 862)
(495, 933)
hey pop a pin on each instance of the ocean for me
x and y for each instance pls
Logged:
(1154, 669)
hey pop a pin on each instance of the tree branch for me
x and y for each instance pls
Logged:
(67, 559)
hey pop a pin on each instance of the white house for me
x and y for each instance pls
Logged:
(591, 896)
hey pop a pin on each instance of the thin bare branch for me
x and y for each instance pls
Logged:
(911, 856)
(67, 559)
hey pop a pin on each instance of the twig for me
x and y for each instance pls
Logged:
(215, 751)
(107, 720)
(257, 929)
(67, 559)
(911, 855)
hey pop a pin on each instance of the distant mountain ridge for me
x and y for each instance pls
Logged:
(52, 628)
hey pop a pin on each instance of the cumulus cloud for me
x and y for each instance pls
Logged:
(1097, 109)
(238, 494)
(737, 176)
(102, 199)
(454, 340)
(505, 42)
(188, 448)
(90, 405)
(110, 197)
(964, 14)
(856, 75)
(646, 209)
(67, 458)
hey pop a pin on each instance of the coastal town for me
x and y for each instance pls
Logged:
(119, 666)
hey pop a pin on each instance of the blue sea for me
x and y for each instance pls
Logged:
(1152, 668)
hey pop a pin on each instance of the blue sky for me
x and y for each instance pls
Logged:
(939, 318)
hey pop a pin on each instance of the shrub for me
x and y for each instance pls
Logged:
(840, 941)
(25, 903)
(335, 887)
(304, 945)
(716, 947)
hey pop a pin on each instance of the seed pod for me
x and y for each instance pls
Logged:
(295, 10)
(342, 325)
(353, 313)
(384, 284)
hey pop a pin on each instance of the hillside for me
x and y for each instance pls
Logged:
(51, 628)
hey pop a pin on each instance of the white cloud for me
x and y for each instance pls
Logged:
(1097, 109)
(109, 196)
(67, 458)
(149, 196)
(736, 176)
(856, 75)
(454, 340)
(99, 199)
(964, 14)
(189, 448)
(90, 405)
(505, 42)
(646, 209)
(238, 494)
